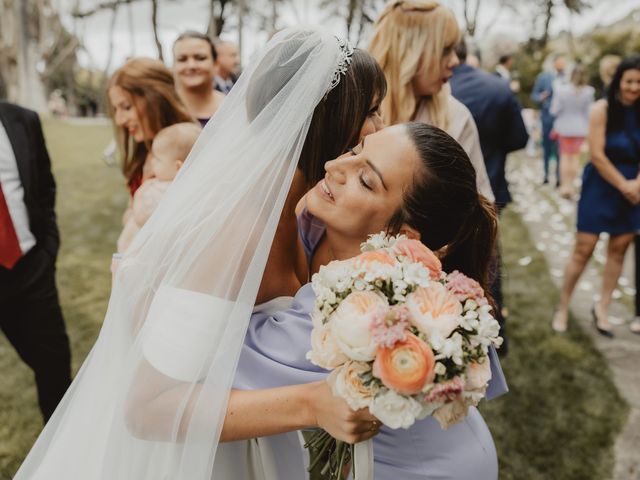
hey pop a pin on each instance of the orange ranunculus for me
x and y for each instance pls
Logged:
(416, 251)
(406, 367)
(379, 256)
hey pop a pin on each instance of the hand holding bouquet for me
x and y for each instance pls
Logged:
(401, 337)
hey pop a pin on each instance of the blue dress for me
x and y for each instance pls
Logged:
(602, 208)
(274, 355)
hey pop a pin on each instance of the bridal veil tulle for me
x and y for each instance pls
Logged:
(149, 401)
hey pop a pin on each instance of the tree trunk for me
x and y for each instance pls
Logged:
(154, 22)
(29, 91)
(547, 21)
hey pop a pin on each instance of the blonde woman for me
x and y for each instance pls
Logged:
(414, 44)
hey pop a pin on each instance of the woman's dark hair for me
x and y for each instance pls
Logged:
(615, 109)
(444, 205)
(337, 120)
(199, 36)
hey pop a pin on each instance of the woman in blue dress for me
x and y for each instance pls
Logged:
(610, 191)
(396, 179)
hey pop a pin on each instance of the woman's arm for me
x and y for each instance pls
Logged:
(258, 413)
(280, 277)
(596, 138)
(157, 405)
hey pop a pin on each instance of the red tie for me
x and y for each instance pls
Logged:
(10, 251)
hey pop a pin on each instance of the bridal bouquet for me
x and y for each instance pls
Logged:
(401, 337)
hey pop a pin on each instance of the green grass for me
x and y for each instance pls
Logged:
(561, 416)
(557, 423)
(91, 198)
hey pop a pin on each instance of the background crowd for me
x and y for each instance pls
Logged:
(584, 141)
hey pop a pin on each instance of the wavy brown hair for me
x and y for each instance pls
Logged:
(151, 86)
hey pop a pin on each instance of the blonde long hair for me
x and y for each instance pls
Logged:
(405, 30)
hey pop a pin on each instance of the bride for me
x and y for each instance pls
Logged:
(185, 290)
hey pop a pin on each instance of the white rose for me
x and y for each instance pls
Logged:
(434, 309)
(394, 410)
(349, 385)
(325, 351)
(451, 413)
(350, 324)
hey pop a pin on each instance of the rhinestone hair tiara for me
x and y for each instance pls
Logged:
(346, 57)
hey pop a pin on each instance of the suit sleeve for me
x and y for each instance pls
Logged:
(517, 135)
(538, 88)
(46, 187)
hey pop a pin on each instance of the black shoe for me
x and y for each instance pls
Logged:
(545, 181)
(602, 331)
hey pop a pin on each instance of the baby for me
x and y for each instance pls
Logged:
(169, 150)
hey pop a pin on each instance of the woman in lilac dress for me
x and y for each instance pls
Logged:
(366, 191)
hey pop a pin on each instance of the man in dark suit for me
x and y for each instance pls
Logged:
(228, 65)
(497, 114)
(501, 128)
(30, 314)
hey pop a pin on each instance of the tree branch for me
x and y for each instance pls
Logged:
(104, 5)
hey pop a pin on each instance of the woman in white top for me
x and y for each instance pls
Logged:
(570, 105)
(414, 44)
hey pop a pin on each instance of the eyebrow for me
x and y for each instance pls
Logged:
(373, 167)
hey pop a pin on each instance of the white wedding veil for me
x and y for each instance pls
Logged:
(150, 400)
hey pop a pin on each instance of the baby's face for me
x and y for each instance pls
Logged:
(165, 162)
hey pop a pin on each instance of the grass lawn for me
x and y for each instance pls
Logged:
(558, 422)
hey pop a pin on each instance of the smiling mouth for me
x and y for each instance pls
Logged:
(325, 189)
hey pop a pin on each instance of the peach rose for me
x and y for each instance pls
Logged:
(347, 381)
(367, 258)
(451, 413)
(406, 367)
(434, 309)
(325, 351)
(478, 376)
(351, 321)
(416, 251)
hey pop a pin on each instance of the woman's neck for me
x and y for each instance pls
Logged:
(199, 101)
(341, 247)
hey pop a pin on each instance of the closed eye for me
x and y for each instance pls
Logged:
(364, 184)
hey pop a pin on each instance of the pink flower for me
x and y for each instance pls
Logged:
(390, 326)
(416, 251)
(445, 391)
(465, 288)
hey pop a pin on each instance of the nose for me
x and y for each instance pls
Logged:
(120, 118)
(337, 169)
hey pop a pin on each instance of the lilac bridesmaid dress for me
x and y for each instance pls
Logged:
(273, 355)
